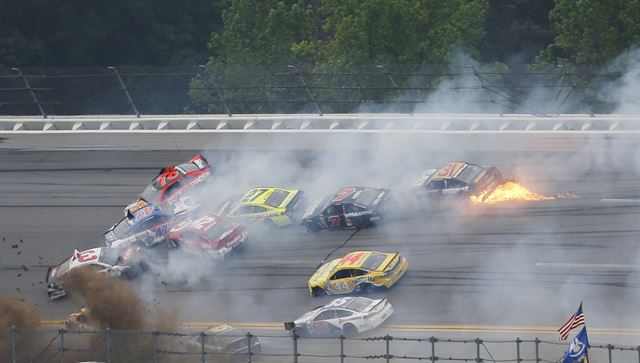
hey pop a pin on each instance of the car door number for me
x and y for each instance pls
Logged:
(341, 286)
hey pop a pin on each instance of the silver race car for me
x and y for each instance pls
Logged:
(127, 263)
(347, 316)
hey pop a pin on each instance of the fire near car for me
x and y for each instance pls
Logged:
(356, 272)
(272, 206)
(208, 235)
(127, 263)
(458, 179)
(79, 320)
(353, 207)
(173, 182)
(345, 316)
(225, 339)
(148, 225)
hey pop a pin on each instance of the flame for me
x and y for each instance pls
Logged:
(508, 191)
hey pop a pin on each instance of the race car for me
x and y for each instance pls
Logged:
(356, 272)
(208, 235)
(128, 263)
(148, 225)
(225, 338)
(346, 316)
(173, 182)
(79, 320)
(458, 179)
(353, 207)
(271, 206)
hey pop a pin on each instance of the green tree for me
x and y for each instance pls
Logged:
(592, 32)
(105, 32)
(516, 31)
(399, 31)
(262, 32)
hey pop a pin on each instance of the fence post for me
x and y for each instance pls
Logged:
(478, 342)
(13, 344)
(295, 347)
(610, 348)
(433, 341)
(126, 92)
(341, 348)
(537, 341)
(249, 347)
(109, 344)
(387, 339)
(61, 332)
(638, 353)
(518, 341)
(306, 88)
(155, 346)
(203, 351)
(209, 76)
(34, 97)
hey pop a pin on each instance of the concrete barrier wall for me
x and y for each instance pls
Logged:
(351, 131)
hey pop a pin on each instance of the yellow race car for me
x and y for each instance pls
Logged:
(272, 206)
(356, 272)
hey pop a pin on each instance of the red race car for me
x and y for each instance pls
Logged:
(208, 235)
(173, 182)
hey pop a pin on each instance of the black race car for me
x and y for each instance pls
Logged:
(353, 207)
(458, 179)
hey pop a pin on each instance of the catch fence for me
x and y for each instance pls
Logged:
(39, 345)
(288, 89)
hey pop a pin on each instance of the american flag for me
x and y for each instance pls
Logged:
(574, 321)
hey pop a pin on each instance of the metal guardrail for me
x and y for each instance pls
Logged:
(495, 123)
(39, 345)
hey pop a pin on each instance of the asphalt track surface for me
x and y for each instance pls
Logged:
(517, 269)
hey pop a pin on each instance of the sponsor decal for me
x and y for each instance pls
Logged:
(455, 190)
(359, 214)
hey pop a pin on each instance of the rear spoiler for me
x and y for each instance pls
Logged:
(381, 301)
(387, 264)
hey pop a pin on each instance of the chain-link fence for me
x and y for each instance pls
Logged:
(306, 89)
(59, 345)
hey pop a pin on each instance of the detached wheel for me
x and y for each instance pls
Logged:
(349, 330)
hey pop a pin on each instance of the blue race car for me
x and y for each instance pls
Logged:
(148, 225)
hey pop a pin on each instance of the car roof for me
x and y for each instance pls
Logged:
(259, 196)
(356, 195)
(354, 259)
(353, 303)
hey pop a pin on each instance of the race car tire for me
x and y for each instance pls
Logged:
(349, 330)
(318, 291)
(363, 288)
(312, 228)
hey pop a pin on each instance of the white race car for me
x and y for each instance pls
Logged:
(346, 316)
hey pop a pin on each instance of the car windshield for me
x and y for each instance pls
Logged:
(187, 168)
(469, 173)
(109, 256)
(64, 267)
(367, 196)
(374, 261)
(215, 231)
(358, 304)
(150, 193)
(276, 198)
